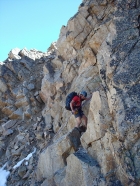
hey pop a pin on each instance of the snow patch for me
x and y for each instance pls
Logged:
(3, 176)
(4, 173)
(27, 158)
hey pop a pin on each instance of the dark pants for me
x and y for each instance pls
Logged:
(79, 114)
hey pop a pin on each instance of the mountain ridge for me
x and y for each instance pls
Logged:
(98, 51)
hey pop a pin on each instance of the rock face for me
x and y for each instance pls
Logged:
(98, 51)
(20, 84)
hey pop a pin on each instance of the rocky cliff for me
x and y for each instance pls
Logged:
(98, 51)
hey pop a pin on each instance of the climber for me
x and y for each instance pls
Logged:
(76, 108)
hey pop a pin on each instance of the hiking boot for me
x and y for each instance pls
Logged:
(77, 128)
(82, 129)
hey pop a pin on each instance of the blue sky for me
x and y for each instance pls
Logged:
(32, 23)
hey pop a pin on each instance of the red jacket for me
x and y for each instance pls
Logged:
(76, 102)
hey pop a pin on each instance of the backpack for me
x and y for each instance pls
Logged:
(68, 100)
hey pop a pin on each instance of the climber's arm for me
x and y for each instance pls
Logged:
(71, 106)
(88, 98)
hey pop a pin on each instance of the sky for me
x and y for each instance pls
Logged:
(33, 23)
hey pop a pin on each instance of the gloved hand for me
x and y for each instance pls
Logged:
(75, 111)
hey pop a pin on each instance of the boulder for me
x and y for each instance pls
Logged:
(8, 110)
(3, 86)
(81, 169)
(8, 132)
(22, 171)
(9, 124)
(22, 102)
(54, 157)
(13, 54)
(18, 114)
(99, 118)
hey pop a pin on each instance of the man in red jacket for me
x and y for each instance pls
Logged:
(76, 107)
